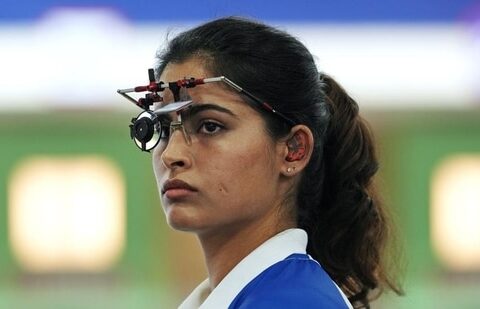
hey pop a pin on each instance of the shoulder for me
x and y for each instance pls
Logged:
(294, 282)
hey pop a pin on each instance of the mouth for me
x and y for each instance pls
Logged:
(176, 188)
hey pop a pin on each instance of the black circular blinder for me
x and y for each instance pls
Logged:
(145, 130)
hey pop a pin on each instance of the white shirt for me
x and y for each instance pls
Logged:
(270, 252)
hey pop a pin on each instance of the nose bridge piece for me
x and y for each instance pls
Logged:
(179, 126)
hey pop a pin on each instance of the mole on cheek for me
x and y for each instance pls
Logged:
(222, 189)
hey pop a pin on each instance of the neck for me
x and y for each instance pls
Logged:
(224, 250)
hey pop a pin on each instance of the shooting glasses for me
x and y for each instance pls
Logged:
(150, 126)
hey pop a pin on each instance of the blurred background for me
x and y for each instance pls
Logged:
(81, 225)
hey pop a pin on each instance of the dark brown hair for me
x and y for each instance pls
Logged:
(354, 251)
(336, 201)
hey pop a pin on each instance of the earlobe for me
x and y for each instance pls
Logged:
(291, 169)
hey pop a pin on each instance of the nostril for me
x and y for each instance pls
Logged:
(178, 163)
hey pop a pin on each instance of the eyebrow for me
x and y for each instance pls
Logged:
(198, 108)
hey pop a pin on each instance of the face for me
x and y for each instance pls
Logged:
(227, 177)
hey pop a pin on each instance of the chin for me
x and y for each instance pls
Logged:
(182, 219)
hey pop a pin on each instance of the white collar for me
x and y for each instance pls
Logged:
(270, 252)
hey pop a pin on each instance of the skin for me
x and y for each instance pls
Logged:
(237, 170)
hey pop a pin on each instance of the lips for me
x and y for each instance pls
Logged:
(176, 187)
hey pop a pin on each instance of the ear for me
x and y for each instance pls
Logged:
(297, 150)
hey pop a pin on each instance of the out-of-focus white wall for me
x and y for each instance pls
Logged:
(73, 56)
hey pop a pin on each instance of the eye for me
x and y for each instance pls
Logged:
(210, 127)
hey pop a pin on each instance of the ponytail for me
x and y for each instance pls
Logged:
(345, 222)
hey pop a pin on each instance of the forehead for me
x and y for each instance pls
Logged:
(217, 93)
(176, 71)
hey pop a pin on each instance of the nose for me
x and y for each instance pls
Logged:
(176, 153)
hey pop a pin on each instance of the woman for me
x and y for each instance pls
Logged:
(275, 177)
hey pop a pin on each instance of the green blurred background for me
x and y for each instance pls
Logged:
(156, 271)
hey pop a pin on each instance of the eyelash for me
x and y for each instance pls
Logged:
(204, 123)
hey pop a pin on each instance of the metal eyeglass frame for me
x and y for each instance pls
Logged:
(146, 128)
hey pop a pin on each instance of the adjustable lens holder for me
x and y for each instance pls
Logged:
(146, 128)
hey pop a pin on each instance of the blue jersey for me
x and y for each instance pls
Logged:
(295, 282)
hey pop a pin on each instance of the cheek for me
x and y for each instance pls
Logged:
(241, 170)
